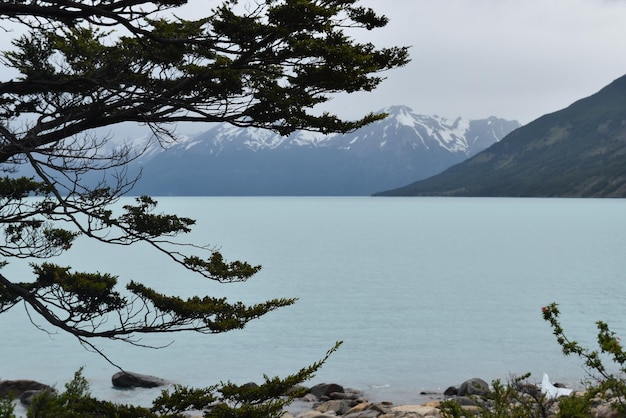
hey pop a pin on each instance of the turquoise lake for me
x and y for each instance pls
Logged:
(424, 292)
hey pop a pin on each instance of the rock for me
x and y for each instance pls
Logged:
(345, 395)
(135, 380)
(309, 397)
(324, 390)
(316, 414)
(473, 386)
(451, 391)
(337, 406)
(465, 401)
(367, 410)
(419, 410)
(368, 413)
(607, 411)
(27, 397)
(473, 410)
(15, 388)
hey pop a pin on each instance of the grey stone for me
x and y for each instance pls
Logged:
(473, 386)
(326, 389)
(15, 388)
(27, 397)
(338, 406)
(135, 380)
(451, 391)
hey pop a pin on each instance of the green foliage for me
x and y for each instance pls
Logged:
(516, 399)
(222, 271)
(607, 384)
(142, 222)
(271, 62)
(520, 399)
(575, 406)
(7, 409)
(83, 65)
(212, 314)
(76, 402)
(226, 400)
(94, 292)
(21, 187)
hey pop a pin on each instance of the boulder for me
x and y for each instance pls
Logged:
(367, 410)
(473, 386)
(324, 390)
(15, 388)
(451, 391)
(316, 414)
(465, 401)
(27, 397)
(607, 411)
(337, 406)
(420, 410)
(351, 396)
(128, 380)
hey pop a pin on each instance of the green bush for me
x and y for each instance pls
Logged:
(7, 409)
(516, 399)
(226, 400)
(604, 384)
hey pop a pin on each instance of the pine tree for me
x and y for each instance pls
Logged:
(79, 65)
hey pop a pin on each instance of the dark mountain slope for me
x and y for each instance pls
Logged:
(579, 151)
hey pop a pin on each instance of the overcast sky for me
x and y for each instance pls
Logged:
(516, 59)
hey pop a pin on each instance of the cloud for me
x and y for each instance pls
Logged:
(517, 59)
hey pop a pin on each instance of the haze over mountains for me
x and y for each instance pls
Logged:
(231, 161)
(579, 151)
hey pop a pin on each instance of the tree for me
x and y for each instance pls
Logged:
(88, 64)
(81, 65)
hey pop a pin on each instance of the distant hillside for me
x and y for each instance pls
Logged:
(579, 151)
(227, 160)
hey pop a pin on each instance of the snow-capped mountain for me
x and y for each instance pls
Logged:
(227, 160)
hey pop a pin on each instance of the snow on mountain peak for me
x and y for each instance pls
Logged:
(403, 115)
(402, 129)
(448, 133)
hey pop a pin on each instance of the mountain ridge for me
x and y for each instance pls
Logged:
(577, 151)
(227, 160)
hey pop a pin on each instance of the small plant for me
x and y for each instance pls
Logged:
(226, 400)
(574, 406)
(516, 399)
(229, 400)
(76, 402)
(7, 409)
(609, 386)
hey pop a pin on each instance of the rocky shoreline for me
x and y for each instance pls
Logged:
(331, 400)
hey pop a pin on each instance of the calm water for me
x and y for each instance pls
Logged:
(424, 292)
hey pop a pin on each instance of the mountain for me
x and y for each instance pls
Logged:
(227, 160)
(579, 151)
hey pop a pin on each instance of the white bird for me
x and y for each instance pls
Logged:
(551, 391)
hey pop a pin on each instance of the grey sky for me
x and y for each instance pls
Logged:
(516, 59)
